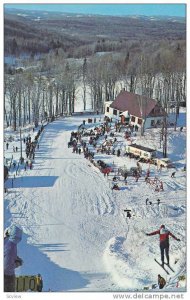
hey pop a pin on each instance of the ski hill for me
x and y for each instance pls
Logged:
(76, 231)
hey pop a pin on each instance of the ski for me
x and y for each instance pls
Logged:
(169, 267)
(161, 266)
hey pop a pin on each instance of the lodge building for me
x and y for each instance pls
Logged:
(134, 109)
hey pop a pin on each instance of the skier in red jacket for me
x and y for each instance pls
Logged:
(164, 241)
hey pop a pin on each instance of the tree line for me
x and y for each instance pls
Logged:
(51, 89)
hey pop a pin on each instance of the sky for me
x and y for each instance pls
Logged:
(109, 9)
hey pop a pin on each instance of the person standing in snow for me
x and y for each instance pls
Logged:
(118, 152)
(39, 283)
(11, 260)
(164, 242)
(161, 281)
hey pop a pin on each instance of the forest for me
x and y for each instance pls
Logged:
(63, 59)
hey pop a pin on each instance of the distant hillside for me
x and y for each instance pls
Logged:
(40, 32)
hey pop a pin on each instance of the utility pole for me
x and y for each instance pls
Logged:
(165, 135)
(165, 124)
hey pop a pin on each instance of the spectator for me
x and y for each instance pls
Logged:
(118, 152)
(11, 260)
(161, 281)
(39, 283)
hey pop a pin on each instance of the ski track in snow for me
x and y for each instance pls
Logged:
(81, 215)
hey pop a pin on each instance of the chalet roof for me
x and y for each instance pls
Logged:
(131, 102)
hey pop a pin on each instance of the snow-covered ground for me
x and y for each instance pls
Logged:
(76, 233)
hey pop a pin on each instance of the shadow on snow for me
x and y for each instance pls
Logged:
(55, 278)
(31, 182)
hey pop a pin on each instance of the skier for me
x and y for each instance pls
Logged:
(161, 186)
(118, 152)
(11, 260)
(173, 175)
(115, 187)
(161, 281)
(164, 242)
(125, 175)
(148, 173)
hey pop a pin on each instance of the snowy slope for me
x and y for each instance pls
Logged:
(76, 233)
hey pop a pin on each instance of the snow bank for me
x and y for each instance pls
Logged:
(120, 264)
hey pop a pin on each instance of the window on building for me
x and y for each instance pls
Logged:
(108, 109)
(152, 123)
(159, 122)
(132, 119)
(157, 110)
(139, 121)
(115, 112)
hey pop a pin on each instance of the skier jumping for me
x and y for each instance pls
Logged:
(164, 242)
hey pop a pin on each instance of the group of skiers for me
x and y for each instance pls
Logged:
(30, 150)
(31, 146)
(163, 232)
